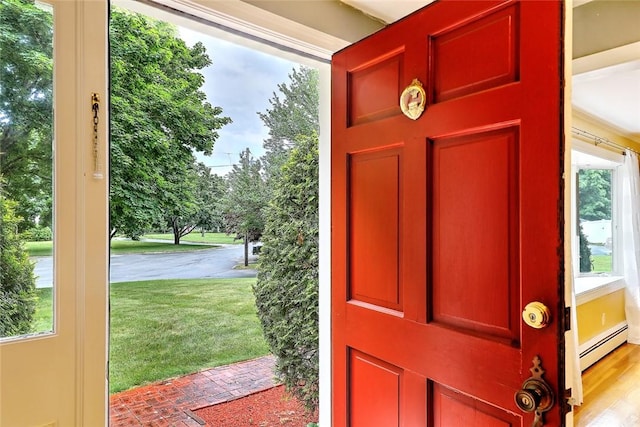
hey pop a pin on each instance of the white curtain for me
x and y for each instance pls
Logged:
(574, 373)
(630, 222)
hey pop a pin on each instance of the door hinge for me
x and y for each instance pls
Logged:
(568, 407)
(567, 319)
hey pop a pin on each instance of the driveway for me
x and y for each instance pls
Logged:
(201, 264)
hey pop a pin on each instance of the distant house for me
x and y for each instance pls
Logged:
(597, 232)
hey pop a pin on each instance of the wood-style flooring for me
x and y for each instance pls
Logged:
(612, 391)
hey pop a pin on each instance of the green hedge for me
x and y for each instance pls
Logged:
(585, 253)
(287, 287)
(37, 234)
(17, 282)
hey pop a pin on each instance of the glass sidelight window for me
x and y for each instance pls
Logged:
(26, 168)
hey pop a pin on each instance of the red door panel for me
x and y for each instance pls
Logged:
(475, 227)
(375, 387)
(367, 102)
(455, 409)
(374, 189)
(494, 36)
(445, 227)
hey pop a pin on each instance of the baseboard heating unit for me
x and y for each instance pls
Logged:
(602, 344)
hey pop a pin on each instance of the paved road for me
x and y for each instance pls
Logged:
(204, 263)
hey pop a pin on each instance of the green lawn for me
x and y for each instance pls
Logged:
(44, 311)
(131, 246)
(121, 247)
(162, 329)
(601, 263)
(196, 237)
(39, 248)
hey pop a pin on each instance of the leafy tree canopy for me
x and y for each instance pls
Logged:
(585, 252)
(210, 191)
(180, 205)
(293, 112)
(26, 114)
(287, 286)
(204, 204)
(160, 116)
(245, 199)
(17, 282)
(594, 186)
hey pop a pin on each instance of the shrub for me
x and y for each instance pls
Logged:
(37, 234)
(287, 287)
(17, 282)
(585, 252)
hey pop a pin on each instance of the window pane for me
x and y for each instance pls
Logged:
(26, 198)
(595, 219)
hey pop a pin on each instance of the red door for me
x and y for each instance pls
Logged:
(445, 227)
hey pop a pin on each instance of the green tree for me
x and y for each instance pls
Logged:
(159, 118)
(26, 113)
(594, 186)
(17, 282)
(210, 191)
(200, 206)
(585, 252)
(294, 111)
(180, 204)
(245, 201)
(287, 287)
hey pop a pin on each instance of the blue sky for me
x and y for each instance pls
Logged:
(241, 81)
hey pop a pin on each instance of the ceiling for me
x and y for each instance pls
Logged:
(606, 69)
(387, 10)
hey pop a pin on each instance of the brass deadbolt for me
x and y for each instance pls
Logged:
(536, 315)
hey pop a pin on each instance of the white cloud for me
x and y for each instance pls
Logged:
(241, 81)
(228, 147)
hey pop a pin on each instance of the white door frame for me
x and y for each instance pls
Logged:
(279, 37)
(59, 379)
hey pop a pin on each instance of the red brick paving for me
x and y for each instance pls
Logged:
(170, 402)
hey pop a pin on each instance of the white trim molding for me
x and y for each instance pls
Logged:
(243, 23)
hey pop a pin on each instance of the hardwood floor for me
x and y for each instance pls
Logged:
(612, 391)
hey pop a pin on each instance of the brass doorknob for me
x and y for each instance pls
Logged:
(527, 400)
(535, 395)
(536, 315)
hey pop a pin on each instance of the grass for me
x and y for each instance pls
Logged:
(131, 246)
(196, 237)
(601, 263)
(44, 311)
(162, 329)
(253, 265)
(39, 248)
(166, 328)
(120, 247)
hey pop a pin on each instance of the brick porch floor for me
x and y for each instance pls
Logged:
(171, 402)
